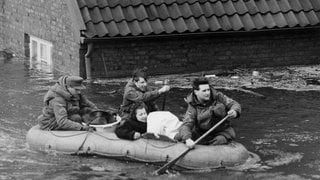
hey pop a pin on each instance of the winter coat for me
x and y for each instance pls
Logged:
(129, 127)
(133, 94)
(199, 118)
(59, 106)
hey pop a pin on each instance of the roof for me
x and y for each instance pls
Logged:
(118, 18)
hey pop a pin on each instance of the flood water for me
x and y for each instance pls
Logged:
(283, 129)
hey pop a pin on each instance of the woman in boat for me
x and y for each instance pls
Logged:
(137, 90)
(65, 106)
(136, 125)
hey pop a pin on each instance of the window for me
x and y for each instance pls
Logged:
(40, 54)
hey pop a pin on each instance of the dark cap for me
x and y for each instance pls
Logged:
(75, 82)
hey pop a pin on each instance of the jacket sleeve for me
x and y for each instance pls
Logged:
(228, 102)
(188, 123)
(61, 116)
(85, 102)
(125, 131)
(136, 96)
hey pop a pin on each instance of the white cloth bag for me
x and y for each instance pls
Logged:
(163, 123)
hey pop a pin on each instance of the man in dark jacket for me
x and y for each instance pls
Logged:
(206, 107)
(64, 106)
(137, 90)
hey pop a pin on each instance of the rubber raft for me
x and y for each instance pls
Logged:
(107, 144)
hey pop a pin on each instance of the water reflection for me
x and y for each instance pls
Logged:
(282, 129)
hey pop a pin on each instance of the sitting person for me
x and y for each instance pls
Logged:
(206, 107)
(137, 90)
(136, 125)
(65, 106)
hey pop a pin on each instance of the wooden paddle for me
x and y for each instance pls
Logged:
(172, 162)
(166, 82)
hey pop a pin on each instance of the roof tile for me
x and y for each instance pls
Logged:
(174, 11)
(163, 12)
(112, 28)
(240, 7)
(218, 9)
(302, 19)
(274, 6)
(102, 3)
(235, 22)
(262, 6)
(295, 5)
(152, 12)
(268, 20)
(81, 3)
(106, 14)
(144, 17)
(92, 3)
(141, 13)
(180, 25)
(146, 27)
(214, 24)
(168, 26)
(185, 10)
(291, 19)
(315, 4)
(117, 14)
(224, 23)
(123, 28)
(207, 9)
(306, 5)
(95, 15)
(157, 26)
(284, 6)
(202, 23)
(258, 21)
(279, 20)
(112, 3)
(312, 17)
(86, 16)
(129, 13)
(134, 28)
(196, 10)
(251, 6)
(247, 22)
(191, 24)
(101, 29)
(229, 8)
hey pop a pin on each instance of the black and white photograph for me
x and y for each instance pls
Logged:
(159, 89)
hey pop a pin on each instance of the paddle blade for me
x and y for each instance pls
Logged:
(165, 167)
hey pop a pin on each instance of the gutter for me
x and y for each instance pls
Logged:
(185, 35)
(87, 58)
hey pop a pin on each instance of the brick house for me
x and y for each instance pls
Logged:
(109, 38)
(44, 32)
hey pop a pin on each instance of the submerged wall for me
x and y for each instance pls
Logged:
(183, 54)
(49, 20)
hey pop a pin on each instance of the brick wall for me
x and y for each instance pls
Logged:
(114, 58)
(45, 19)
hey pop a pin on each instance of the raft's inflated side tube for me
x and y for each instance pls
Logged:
(143, 150)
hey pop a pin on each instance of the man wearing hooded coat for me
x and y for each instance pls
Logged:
(64, 106)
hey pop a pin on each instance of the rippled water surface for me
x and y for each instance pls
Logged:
(282, 129)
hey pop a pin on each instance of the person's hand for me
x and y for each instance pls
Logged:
(232, 113)
(136, 135)
(88, 128)
(118, 118)
(190, 143)
(164, 89)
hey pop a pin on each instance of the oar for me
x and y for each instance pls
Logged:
(172, 162)
(166, 82)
